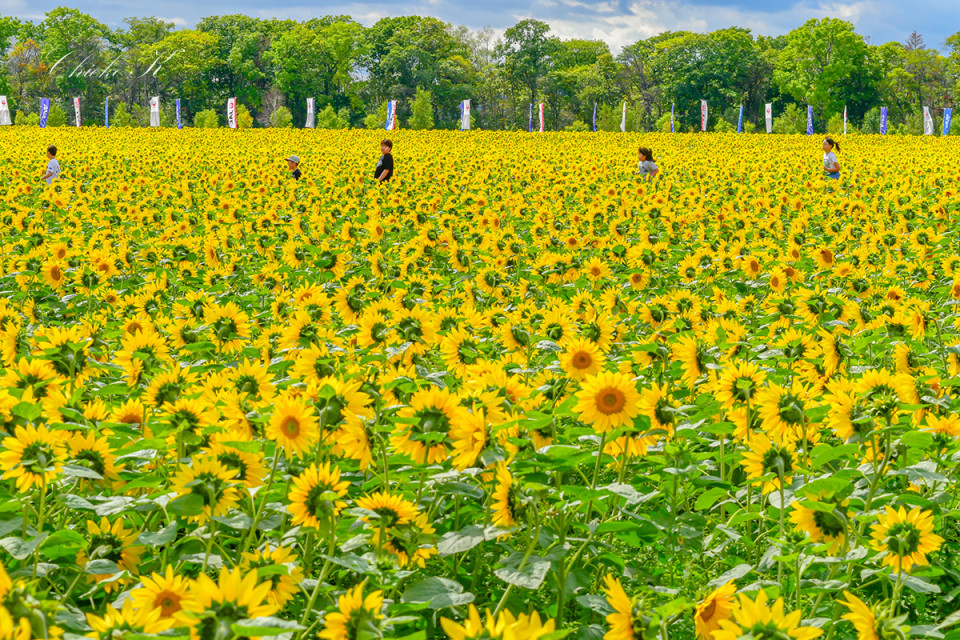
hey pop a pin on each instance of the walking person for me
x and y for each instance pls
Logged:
(53, 166)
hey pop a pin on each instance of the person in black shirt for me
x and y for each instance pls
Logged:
(384, 170)
(293, 163)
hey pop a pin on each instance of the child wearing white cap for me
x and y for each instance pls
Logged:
(293, 162)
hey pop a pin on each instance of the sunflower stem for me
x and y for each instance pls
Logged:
(331, 548)
(523, 562)
(596, 474)
(263, 501)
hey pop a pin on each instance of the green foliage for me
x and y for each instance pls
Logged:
(792, 120)
(577, 125)
(206, 119)
(821, 57)
(140, 116)
(121, 117)
(871, 121)
(608, 118)
(663, 123)
(26, 119)
(266, 63)
(281, 118)
(835, 124)
(422, 110)
(330, 119)
(376, 119)
(749, 127)
(244, 119)
(57, 117)
(722, 125)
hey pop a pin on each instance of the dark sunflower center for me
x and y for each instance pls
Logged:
(610, 400)
(903, 539)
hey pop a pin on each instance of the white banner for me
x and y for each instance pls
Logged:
(311, 115)
(465, 115)
(76, 109)
(768, 116)
(844, 119)
(927, 122)
(703, 115)
(232, 113)
(542, 123)
(4, 112)
(155, 111)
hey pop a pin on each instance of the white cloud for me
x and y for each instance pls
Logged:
(177, 22)
(646, 18)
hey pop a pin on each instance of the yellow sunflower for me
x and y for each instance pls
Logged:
(33, 456)
(715, 607)
(315, 496)
(163, 592)
(757, 619)
(293, 424)
(907, 537)
(354, 611)
(581, 358)
(608, 401)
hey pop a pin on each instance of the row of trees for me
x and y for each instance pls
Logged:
(273, 66)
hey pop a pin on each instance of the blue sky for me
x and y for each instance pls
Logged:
(618, 22)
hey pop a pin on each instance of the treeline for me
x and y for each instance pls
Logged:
(273, 66)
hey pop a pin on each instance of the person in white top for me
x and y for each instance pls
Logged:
(646, 166)
(830, 164)
(53, 167)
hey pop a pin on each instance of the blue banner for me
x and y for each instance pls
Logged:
(671, 117)
(947, 116)
(740, 121)
(883, 120)
(809, 120)
(106, 112)
(594, 117)
(44, 111)
(179, 122)
(530, 122)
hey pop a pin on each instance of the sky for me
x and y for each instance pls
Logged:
(617, 22)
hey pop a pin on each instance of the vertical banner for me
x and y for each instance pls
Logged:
(594, 117)
(703, 115)
(44, 111)
(623, 118)
(391, 116)
(768, 116)
(311, 122)
(740, 121)
(393, 121)
(106, 112)
(465, 115)
(927, 122)
(179, 120)
(232, 113)
(809, 119)
(947, 117)
(672, 105)
(76, 108)
(4, 112)
(883, 121)
(540, 109)
(844, 119)
(530, 120)
(155, 111)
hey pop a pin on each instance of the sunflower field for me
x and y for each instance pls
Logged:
(515, 393)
